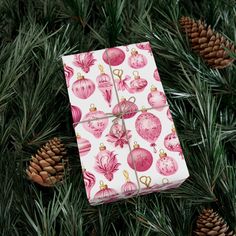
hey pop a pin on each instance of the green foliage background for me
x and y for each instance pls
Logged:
(34, 107)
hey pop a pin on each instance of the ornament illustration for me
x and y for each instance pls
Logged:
(83, 87)
(69, 72)
(84, 145)
(127, 107)
(106, 162)
(169, 114)
(156, 99)
(84, 61)
(128, 188)
(166, 165)
(96, 122)
(105, 193)
(89, 181)
(105, 85)
(148, 127)
(137, 60)
(138, 84)
(156, 75)
(144, 46)
(121, 83)
(146, 180)
(139, 159)
(172, 143)
(113, 56)
(76, 114)
(118, 135)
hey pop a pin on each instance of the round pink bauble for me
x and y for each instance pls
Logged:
(138, 84)
(137, 60)
(156, 75)
(172, 143)
(69, 72)
(83, 88)
(105, 193)
(140, 159)
(127, 107)
(94, 124)
(166, 165)
(148, 126)
(84, 146)
(76, 114)
(116, 56)
(128, 188)
(156, 99)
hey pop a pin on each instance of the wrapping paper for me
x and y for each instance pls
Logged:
(125, 133)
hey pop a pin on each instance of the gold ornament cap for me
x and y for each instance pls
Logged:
(173, 129)
(101, 68)
(136, 145)
(153, 88)
(102, 147)
(92, 108)
(79, 76)
(136, 75)
(122, 99)
(126, 175)
(143, 109)
(134, 52)
(102, 185)
(162, 154)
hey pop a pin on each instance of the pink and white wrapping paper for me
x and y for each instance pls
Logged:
(125, 133)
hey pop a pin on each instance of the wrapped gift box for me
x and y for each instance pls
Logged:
(125, 133)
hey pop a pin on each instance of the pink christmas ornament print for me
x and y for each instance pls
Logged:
(139, 159)
(105, 85)
(127, 107)
(128, 188)
(138, 84)
(69, 72)
(76, 114)
(89, 181)
(169, 115)
(156, 75)
(136, 60)
(84, 145)
(166, 165)
(83, 87)
(113, 56)
(144, 46)
(172, 143)
(122, 84)
(84, 61)
(118, 135)
(105, 194)
(156, 99)
(106, 163)
(149, 127)
(94, 124)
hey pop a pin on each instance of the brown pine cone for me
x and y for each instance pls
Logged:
(47, 166)
(208, 44)
(209, 223)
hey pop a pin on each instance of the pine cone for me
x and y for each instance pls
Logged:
(47, 166)
(209, 44)
(210, 223)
